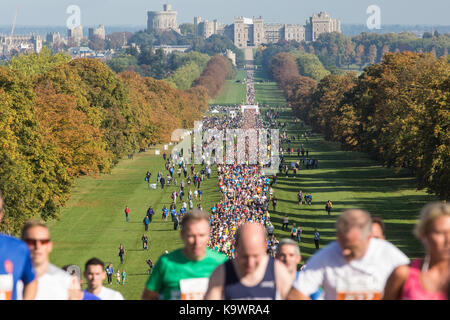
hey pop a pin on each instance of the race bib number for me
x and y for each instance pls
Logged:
(193, 289)
(358, 287)
(6, 286)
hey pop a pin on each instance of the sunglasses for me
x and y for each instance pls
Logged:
(35, 241)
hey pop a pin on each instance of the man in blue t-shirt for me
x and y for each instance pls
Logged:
(15, 265)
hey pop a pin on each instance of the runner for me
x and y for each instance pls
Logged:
(428, 278)
(53, 282)
(253, 275)
(378, 228)
(15, 265)
(189, 268)
(94, 272)
(355, 267)
(288, 252)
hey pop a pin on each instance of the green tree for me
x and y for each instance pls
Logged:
(37, 63)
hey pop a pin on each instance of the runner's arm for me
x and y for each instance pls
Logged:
(216, 284)
(294, 294)
(149, 295)
(282, 279)
(395, 283)
(30, 290)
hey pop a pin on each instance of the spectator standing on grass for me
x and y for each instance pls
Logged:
(274, 203)
(127, 212)
(146, 222)
(165, 213)
(355, 267)
(121, 253)
(150, 213)
(109, 272)
(316, 238)
(118, 276)
(328, 206)
(144, 239)
(176, 221)
(428, 278)
(300, 197)
(294, 232)
(285, 222)
(299, 234)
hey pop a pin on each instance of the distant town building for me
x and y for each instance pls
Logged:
(249, 32)
(321, 23)
(169, 49)
(162, 20)
(75, 35)
(54, 39)
(207, 28)
(231, 55)
(99, 32)
(20, 44)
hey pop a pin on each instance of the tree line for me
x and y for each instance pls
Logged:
(397, 111)
(337, 51)
(62, 118)
(218, 69)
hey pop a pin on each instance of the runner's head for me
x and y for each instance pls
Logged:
(433, 229)
(288, 252)
(195, 234)
(37, 236)
(251, 246)
(377, 228)
(353, 233)
(94, 272)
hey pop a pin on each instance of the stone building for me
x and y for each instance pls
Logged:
(247, 32)
(162, 20)
(206, 29)
(75, 35)
(99, 32)
(21, 44)
(321, 23)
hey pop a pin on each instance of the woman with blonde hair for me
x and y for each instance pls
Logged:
(428, 278)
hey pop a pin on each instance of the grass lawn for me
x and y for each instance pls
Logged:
(93, 222)
(267, 92)
(349, 180)
(233, 92)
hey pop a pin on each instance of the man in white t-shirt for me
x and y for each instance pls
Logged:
(53, 282)
(94, 272)
(355, 267)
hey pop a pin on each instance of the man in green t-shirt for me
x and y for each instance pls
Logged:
(184, 273)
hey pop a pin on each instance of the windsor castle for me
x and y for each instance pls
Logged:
(248, 32)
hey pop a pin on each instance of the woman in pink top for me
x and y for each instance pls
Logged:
(426, 279)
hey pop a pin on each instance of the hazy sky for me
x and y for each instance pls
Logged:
(133, 12)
